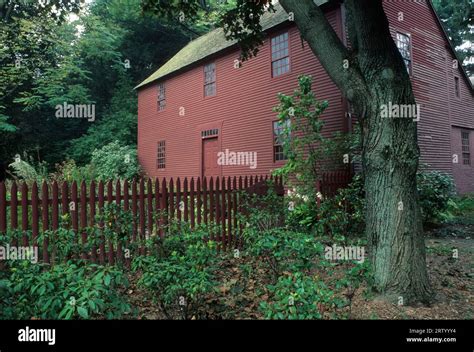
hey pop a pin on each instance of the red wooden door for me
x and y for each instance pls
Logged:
(210, 149)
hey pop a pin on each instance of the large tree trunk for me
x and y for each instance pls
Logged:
(393, 228)
(377, 76)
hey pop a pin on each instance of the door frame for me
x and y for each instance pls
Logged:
(204, 127)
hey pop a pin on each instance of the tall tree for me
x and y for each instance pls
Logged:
(370, 74)
(457, 17)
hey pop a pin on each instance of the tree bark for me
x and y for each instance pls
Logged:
(377, 76)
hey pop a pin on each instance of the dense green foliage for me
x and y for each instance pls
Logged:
(434, 191)
(458, 20)
(65, 291)
(299, 116)
(114, 161)
(95, 59)
(181, 274)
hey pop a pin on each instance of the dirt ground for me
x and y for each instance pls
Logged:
(450, 262)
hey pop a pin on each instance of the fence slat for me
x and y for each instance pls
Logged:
(118, 201)
(186, 200)
(142, 217)
(84, 219)
(92, 219)
(229, 212)
(110, 199)
(149, 187)
(101, 224)
(199, 201)
(126, 208)
(205, 193)
(74, 211)
(55, 206)
(34, 212)
(134, 211)
(216, 211)
(164, 207)
(157, 207)
(171, 195)
(14, 211)
(24, 212)
(192, 199)
(45, 220)
(3, 208)
(223, 214)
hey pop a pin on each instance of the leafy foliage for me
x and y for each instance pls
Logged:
(434, 190)
(65, 291)
(301, 137)
(298, 296)
(182, 274)
(115, 161)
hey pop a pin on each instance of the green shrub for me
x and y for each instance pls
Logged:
(298, 296)
(343, 214)
(459, 210)
(434, 190)
(114, 161)
(64, 291)
(182, 274)
(69, 171)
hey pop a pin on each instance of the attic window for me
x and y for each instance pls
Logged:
(161, 97)
(404, 46)
(210, 80)
(280, 55)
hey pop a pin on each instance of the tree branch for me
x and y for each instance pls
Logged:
(326, 45)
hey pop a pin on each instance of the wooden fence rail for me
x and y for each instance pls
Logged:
(27, 212)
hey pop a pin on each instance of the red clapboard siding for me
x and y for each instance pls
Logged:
(433, 83)
(241, 110)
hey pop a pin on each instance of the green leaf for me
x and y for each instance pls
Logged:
(83, 312)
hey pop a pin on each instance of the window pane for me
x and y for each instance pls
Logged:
(404, 46)
(161, 155)
(280, 55)
(161, 96)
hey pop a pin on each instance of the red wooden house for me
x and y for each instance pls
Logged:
(203, 114)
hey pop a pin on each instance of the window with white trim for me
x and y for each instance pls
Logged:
(404, 46)
(210, 80)
(466, 152)
(161, 97)
(280, 55)
(161, 155)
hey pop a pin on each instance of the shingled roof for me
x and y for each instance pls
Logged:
(212, 43)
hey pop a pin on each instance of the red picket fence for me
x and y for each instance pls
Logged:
(195, 201)
(30, 211)
(331, 182)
